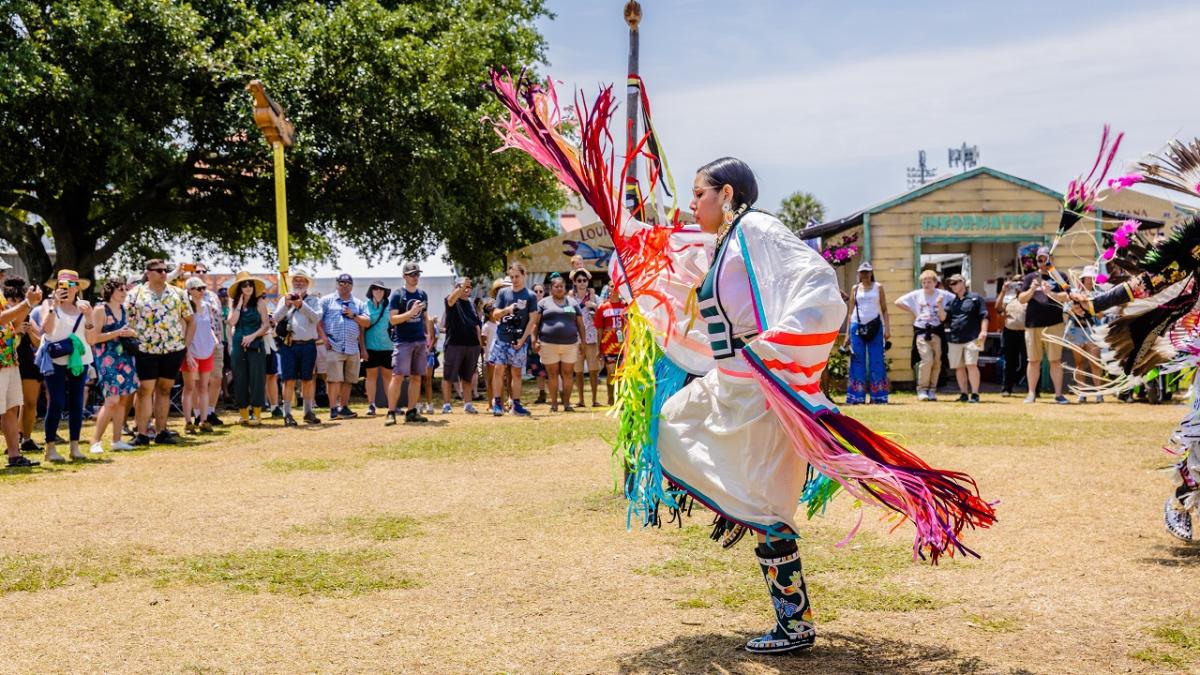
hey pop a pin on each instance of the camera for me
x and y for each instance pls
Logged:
(292, 297)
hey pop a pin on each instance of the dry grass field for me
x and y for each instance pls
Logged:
(482, 545)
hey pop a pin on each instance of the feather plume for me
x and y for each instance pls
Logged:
(1081, 192)
(1177, 168)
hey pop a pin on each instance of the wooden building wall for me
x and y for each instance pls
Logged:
(894, 234)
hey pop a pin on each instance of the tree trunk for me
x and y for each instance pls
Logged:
(73, 242)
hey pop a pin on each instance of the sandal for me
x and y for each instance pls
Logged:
(567, 407)
(553, 408)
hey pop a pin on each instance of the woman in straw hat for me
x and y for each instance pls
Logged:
(247, 318)
(65, 317)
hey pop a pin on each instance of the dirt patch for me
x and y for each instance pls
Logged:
(496, 545)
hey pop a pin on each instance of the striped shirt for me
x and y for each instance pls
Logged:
(341, 331)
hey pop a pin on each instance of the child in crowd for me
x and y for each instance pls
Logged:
(610, 322)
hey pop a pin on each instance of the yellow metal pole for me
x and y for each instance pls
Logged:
(281, 218)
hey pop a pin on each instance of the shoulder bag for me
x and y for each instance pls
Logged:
(64, 347)
(867, 331)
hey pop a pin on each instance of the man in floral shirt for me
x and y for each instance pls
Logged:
(162, 317)
(11, 397)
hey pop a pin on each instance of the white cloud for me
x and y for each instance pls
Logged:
(847, 132)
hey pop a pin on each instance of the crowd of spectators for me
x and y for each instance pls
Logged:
(168, 339)
(950, 325)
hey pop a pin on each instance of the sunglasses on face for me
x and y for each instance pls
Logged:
(200, 288)
(413, 274)
(345, 283)
(157, 269)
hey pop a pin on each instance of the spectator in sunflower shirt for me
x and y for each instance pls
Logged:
(162, 317)
(11, 396)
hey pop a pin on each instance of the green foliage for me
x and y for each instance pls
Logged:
(857, 577)
(31, 573)
(992, 624)
(538, 433)
(288, 571)
(301, 464)
(383, 527)
(126, 129)
(837, 369)
(1157, 657)
(1178, 643)
(799, 209)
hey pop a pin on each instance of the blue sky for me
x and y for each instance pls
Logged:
(837, 98)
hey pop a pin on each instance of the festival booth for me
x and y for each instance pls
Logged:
(591, 242)
(983, 224)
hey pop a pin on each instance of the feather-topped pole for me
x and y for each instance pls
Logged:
(1081, 192)
(534, 127)
(1177, 168)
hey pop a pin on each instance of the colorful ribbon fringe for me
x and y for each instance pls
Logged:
(846, 454)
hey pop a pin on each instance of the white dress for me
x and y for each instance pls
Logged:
(717, 437)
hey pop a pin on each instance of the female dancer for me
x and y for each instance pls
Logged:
(736, 418)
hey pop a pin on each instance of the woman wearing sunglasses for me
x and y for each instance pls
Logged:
(201, 356)
(247, 317)
(67, 318)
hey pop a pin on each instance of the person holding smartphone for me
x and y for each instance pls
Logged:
(344, 317)
(13, 314)
(1012, 336)
(517, 316)
(1044, 297)
(464, 338)
(412, 337)
(66, 317)
(29, 338)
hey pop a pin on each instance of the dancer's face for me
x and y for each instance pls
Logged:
(706, 203)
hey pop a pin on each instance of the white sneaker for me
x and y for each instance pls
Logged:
(922, 396)
(1030, 398)
(932, 395)
(97, 448)
(1082, 399)
(122, 445)
(446, 408)
(469, 408)
(1099, 399)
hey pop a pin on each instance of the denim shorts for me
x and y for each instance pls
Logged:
(506, 354)
(298, 361)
